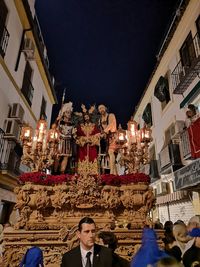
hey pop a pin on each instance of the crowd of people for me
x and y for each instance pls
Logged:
(181, 248)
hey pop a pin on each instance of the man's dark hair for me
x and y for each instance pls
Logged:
(87, 220)
(109, 239)
(167, 261)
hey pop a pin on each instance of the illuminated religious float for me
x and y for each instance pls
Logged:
(50, 206)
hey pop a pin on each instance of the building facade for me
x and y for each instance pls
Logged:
(26, 91)
(175, 84)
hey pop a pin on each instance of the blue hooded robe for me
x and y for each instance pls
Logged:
(149, 252)
(32, 258)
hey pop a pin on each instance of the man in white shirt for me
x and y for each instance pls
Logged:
(87, 254)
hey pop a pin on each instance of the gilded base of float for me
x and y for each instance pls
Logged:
(49, 215)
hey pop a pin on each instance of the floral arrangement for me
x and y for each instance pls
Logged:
(110, 179)
(105, 179)
(43, 178)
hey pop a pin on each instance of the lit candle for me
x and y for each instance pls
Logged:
(27, 133)
(34, 142)
(44, 144)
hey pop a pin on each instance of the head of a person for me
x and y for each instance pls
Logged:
(194, 222)
(191, 111)
(195, 233)
(179, 222)
(168, 262)
(168, 226)
(86, 233)
(158, 225)
(86, 117)
(180, 233)
(102, 109)
(108, 239)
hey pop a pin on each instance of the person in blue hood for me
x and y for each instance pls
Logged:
(33, 258)
(149, 252)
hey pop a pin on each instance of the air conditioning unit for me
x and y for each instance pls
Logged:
(17, 112)
(12, 128)
(177, 128)
(29, 49)
(161, 188)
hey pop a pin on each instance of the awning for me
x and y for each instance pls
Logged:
(178, 195)
(160, 89)
(147, 115)
(192, 94)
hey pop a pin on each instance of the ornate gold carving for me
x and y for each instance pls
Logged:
(50, 215)
(85, 167)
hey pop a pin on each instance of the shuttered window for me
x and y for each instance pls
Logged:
(187, 52)
(27, 88)
(3, 31)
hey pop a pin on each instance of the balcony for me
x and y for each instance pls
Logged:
(170, 158)
(185, 144)
(4, 37)
(183, 75)
(10, 158)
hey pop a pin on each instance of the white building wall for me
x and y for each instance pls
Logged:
(15, 30)
(162, 119)
(181, 211)
(11, 83)
(172, 112)
(163, 213)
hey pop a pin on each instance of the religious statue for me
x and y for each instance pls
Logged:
(66, 129)
(108, 126)
(88, 140)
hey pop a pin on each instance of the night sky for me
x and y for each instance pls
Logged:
(103, 51)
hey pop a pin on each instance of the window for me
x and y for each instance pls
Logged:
(153, 172)
(169, 133)
(161, 91)
(198, 25)
(43, 108)
(4, 35)
(147, 115)
(6, 208)
(167, 94)
(187, 52)
(27, 88)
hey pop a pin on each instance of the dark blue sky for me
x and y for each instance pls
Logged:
(103, 51)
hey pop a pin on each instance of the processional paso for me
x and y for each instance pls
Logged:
(86, 142)
(82, 166)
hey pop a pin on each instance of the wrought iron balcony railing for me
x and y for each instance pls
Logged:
(4, 37)
(170, 156)
(185, 144)
(183, 75)
(10, 154)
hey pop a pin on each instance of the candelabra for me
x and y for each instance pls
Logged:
(133, 146)
(40, 149)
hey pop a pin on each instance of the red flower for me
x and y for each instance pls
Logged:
(105, 179)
